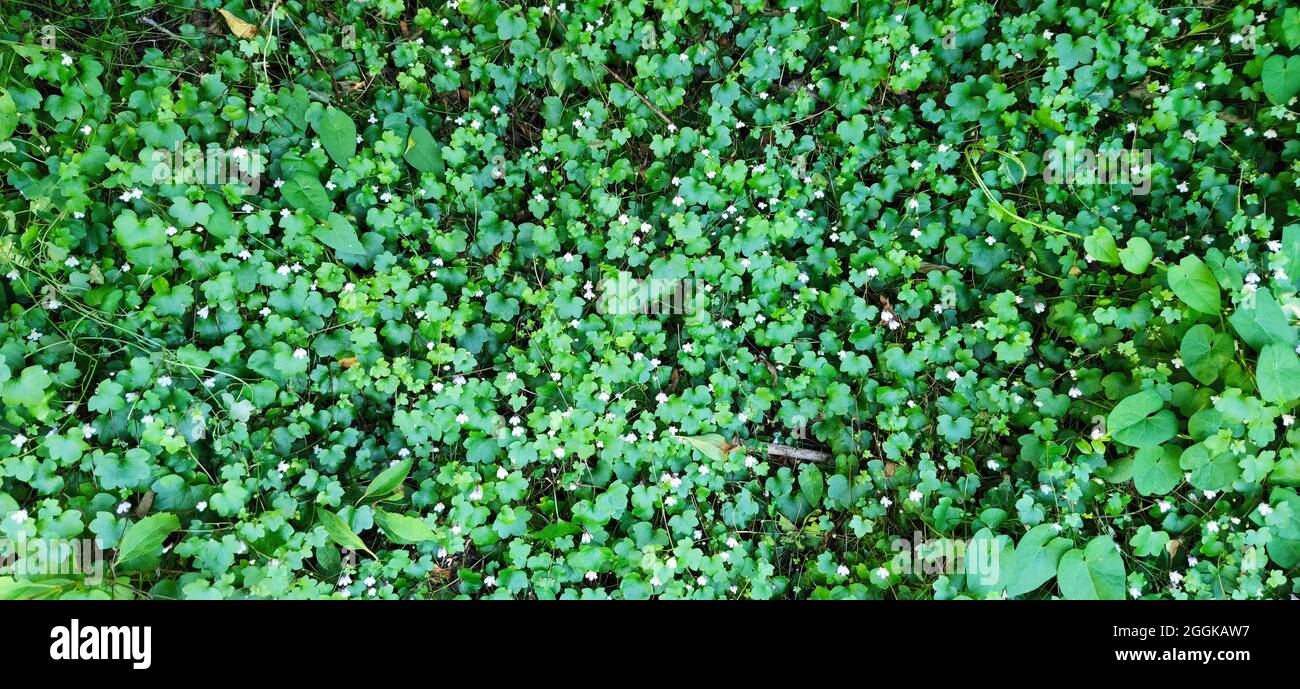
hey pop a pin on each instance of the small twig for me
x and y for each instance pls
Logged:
(162, 28)
(267, 17)
(645, 100)
(778, 450)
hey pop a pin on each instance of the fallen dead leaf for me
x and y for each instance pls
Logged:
(238, 26)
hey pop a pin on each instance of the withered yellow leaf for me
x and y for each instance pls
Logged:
(238, 26)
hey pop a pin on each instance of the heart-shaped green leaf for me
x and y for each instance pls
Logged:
(1136, 255)
(1140, 420)
(1277, 375)
(422, 151)
(1281, 77)
(1205, 352)
(1155, 470)
(304, 191)
(338, 234)
(1210, 469)
(1037, 556)
(1193, 282)
(338, 135)
(1100, 245)
(1094, 573)
(1263, 323)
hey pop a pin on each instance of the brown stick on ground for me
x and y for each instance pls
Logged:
(645, 100)
(778, 450)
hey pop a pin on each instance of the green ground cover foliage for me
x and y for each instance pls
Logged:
(390, 337)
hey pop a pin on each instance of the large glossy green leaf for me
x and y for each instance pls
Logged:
(1139, 420)
(146, 536)
(1210, 470)
(403, 529)
(1205, 352)
(1094, 573)
(1193, 282)
(1281, 77)
(339, 234)
(339, 531)
(1284, 547)
(303, 190)
(1277, 375)
(1155, 470)
(990, 562)
(1263, 323)
(811, 484)
(338, 135)
(1136, 255)
(1101, 246)
(422, 151)
(388, 480)
(1037, 555)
